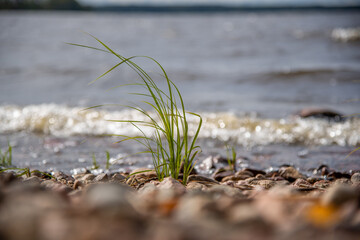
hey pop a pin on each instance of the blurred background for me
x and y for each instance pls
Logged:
(249, 67)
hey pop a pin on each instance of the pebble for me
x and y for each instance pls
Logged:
(290, 173)
(303, 184)
(62, 176)
(197, 207)
(343, 181)
(227, 190)
(117, 177)
(246, 215)
(266, 184)
(102, 177)
(32, 179)
(244, 174)
(355, 178)
(144, 172)
(78, 184)
(7, 177)
(221, 173)
(322, 184)
(195, 186)
(88, 177)
(338, 194)
(252, 207)
(202, 179)
(173, 184)
(109, 199)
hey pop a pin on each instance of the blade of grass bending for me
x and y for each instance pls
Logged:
(102, 75)
(85, 46)
(357, 149)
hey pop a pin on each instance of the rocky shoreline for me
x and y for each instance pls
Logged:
(248, 204)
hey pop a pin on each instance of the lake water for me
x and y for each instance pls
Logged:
(247, 74)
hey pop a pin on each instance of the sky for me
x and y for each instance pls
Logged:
(227, 2)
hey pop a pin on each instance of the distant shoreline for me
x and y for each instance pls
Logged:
(215, 8)
(195, 9)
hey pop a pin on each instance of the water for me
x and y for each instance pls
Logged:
(246, 73)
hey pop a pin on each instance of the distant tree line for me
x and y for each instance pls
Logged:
(41, 4)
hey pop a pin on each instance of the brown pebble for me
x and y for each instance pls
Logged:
(355, 178)
(322, 184)
(102, 177)
(290, 173)
(78, 184)
(339, 194)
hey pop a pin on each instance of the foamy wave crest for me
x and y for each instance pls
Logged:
(346, 34)
(64, 121)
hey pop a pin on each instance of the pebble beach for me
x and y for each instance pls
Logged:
(247, 204)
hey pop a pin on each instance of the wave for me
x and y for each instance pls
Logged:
(346, 34)
(64, 121)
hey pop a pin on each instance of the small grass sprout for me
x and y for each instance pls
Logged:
(231, 157)
(107, 166)
(170, 145)
(25, 171)
(6, 157)
(95, 164)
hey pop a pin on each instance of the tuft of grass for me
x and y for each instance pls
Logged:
(171, 144)
(6, 157)
(231, 157)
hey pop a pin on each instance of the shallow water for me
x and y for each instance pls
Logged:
(246, 73)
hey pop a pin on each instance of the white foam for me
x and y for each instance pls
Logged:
(63, 121)
(346, 34)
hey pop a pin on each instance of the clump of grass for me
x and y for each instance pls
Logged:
(231, 157)
(6, 157)
(171, 144)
